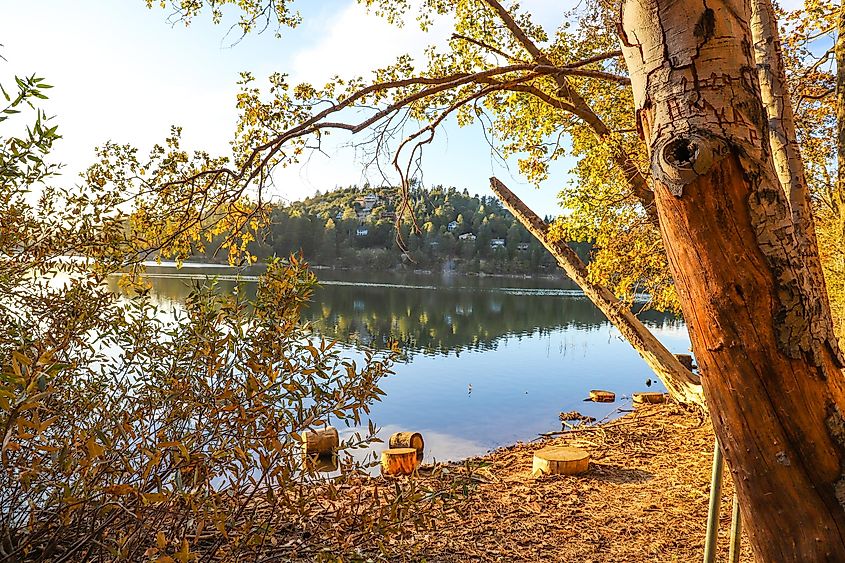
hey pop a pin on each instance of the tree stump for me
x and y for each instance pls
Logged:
(649, 397)
(600, 396)
(398, 461)
(320, 442)
(408, 440)
(560, 460)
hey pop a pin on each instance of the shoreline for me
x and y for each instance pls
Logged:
(643, 499)
(322, 267)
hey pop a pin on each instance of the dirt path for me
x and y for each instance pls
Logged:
(643, 499)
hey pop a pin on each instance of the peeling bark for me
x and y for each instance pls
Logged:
(783, 140)
(682, 384)
(771, 368)
(840, 102)
(786, 155)
(839, 54)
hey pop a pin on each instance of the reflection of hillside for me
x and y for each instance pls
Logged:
(442, 320)
(423, 317)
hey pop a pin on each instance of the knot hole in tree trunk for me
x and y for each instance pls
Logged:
(681, 153)
(683, 158)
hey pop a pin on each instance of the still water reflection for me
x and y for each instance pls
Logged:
(488, 361)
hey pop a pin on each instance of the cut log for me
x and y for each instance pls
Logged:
(408, 440)
(560, 460)
(649, 397)
(320, 442)
(398, 461)
(599, 396)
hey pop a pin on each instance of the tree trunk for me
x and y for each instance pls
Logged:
(771, 366)
(839, 53)
(399, 461)
(682, 384)
(840, 98)
(786, 155)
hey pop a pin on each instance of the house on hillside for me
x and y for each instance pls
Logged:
(468, 236)
(368, 201)
(452, 226)
(362, 231)
(497, 243)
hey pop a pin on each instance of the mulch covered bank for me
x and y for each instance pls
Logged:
(644, 498)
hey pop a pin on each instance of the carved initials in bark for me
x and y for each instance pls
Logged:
(771, 371)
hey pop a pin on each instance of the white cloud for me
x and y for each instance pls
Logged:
(121, 74)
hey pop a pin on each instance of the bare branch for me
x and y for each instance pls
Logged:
(681, 383)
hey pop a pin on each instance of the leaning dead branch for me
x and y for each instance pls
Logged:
(683, 385)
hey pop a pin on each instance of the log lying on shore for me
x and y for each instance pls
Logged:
(320, 442)
(398, 461)
(601, 396)
(408, 440)
(649, 397)
(560, 460)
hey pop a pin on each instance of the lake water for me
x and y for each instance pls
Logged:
(488, 361)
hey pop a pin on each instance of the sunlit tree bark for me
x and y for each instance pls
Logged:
(840, 97)
(839, 53)
(771, 366)
(783, 140)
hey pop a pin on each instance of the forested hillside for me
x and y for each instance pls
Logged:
(356, 228)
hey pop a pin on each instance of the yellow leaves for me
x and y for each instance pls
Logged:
(167, 432)
(20, 359)
(133, 283)
(94, 449)
(154, 498)
(240, 454)
(120, 490)
(5, 396)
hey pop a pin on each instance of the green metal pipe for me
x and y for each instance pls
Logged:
(715, 502)
(736, 533)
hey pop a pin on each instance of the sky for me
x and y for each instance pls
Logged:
(122, 72)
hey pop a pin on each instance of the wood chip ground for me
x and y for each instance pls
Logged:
(644, 498)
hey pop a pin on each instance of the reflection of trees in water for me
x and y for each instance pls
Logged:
(443, 320)
(429, 321)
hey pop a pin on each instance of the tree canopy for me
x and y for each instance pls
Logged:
(538, 95)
